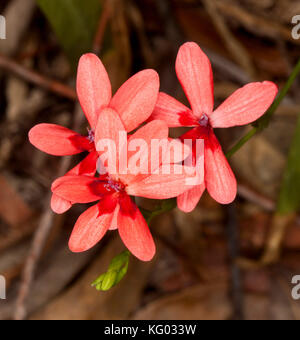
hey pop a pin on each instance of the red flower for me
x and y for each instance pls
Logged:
(246, 105)
(134, 102)
(115, 209)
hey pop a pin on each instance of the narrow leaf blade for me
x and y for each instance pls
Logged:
(289, 199)
(74, 23)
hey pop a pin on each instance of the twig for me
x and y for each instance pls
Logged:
(254, 23)
(44, 227)
(173, 32)
(176, 37)
(138, 23)
(29, 269)
(104, 19)
(35, 78)
(232, 235)
(255, 197)
(40, 236)
(229, 68)
(237, 50)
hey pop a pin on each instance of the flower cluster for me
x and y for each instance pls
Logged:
(244, 106)
(138, 112)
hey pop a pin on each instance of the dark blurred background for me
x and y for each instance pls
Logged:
(218, 262)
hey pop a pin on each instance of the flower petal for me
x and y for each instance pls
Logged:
(194, 71)
(108, 204)
(155, 130)
(86, 167)
(110, 128)
(89, 230)
(57, 140)
(172, 112)
(136, 98)
(219, 178)
(114, 222)
(245, 105)
(60, 205)
(79, 189)
(93, 87)
(135, 234)
(188, 201)
(177, 151)
(166, 184)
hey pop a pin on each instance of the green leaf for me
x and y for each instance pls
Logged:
(74, 23)
(289, 199)
(115, 273)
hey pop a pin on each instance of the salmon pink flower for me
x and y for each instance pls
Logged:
(244, 106)
(115, 208)
(134, 102)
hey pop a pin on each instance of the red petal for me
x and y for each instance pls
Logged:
(172, 112)
(156, 129)
(197, 133)
(89, 230)
(163, 185)
(114, 222)
(136, 235)
(194, 71)
(79, 189)
(93, 87)
(135, 100)
(178, 152)
(219, 178)
(127, 207)
(57, 140)
(86, 167)
(188, 201)
(245, 105)
(107, 205)
(109, 128)
(60, 205)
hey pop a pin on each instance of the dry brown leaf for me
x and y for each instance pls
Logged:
(201, 302)
(13, 209)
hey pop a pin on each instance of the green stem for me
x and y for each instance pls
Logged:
(264, 121)
(165, 206)
(241, 142)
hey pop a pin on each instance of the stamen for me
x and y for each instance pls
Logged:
(114, 186)
(204, 120)
(91, 135)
